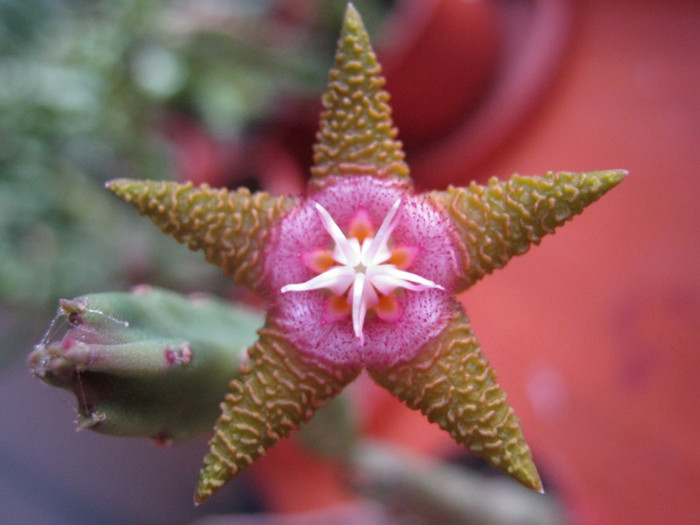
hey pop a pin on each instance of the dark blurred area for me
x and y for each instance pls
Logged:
(595, 334)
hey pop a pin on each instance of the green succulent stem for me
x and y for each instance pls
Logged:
(148, 363)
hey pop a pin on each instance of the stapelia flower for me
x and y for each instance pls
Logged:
(362, 273)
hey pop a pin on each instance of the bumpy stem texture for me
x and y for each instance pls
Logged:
(357, 135)
(279, 390)
(452, 383)
(231, 227)
(504, 218)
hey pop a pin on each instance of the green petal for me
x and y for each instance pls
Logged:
(279, 391)
(231, 227)
(357, 135)
(452, 383)
(504, 218)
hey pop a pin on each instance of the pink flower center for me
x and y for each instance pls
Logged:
(362, 272)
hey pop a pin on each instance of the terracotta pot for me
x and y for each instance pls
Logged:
(439, 58)
(532, 39)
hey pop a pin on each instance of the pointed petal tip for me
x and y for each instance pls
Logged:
(533, 482)
(114, 184)
(200, 497)
(353, 23)
(525, 472)
(595, 184)
(352, 18)
(611, 177)
(614, 177)
(122, 187)
(487, 425)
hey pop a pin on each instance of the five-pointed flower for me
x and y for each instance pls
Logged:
(346, 296)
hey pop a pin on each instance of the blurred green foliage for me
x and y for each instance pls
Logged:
(86, 90)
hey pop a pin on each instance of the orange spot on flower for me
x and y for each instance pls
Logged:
(360, 225)
(318, 260)
(388, 308)
(337, 307)
(403, 256)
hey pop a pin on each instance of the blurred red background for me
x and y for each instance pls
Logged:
(596, 333)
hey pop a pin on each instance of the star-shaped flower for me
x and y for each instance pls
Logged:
(345, 296)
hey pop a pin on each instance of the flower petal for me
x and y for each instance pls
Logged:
(357, 134)
(349, 256)
(382, 237)
(504, 218)
(338, 279)
(280, 391)
(232, 228)
(386, 278)
(452, 382)
(363, 297)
